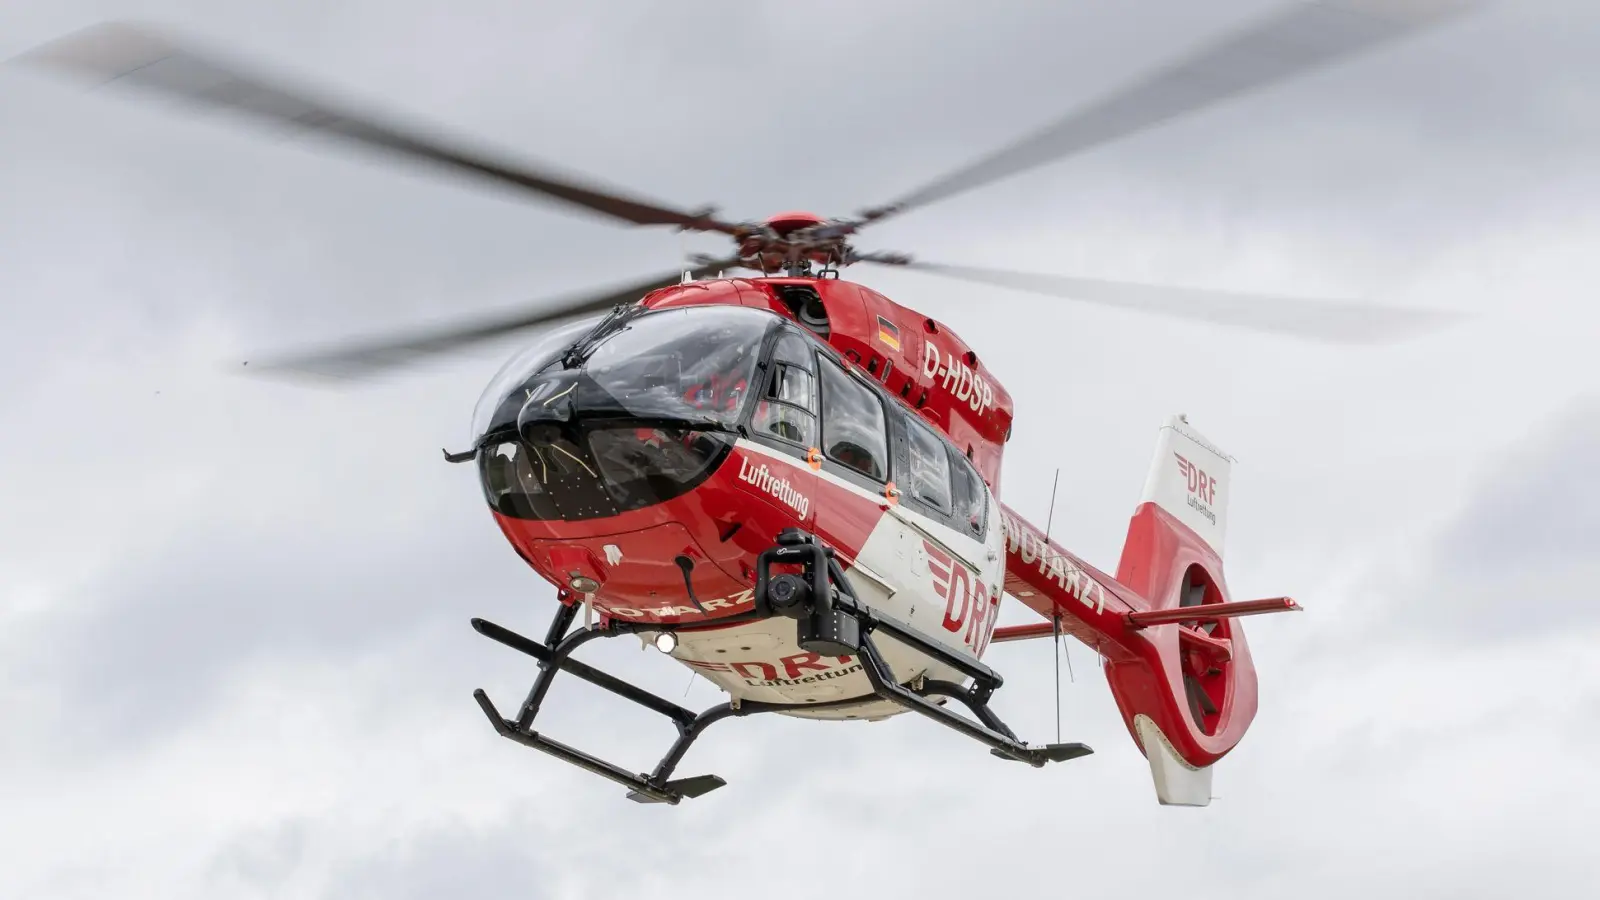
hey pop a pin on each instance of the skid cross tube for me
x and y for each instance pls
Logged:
(560, 658)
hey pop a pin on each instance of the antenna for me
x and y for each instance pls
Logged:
(1055, 620)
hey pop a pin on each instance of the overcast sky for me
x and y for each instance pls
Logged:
(234, 651)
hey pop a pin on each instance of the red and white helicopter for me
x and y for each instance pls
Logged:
(791, 483)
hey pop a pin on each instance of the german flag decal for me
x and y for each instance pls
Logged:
(888, 334)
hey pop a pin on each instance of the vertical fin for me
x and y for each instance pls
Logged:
(1189, 478)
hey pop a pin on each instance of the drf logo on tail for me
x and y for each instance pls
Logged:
(1201, 485)
(966, 609)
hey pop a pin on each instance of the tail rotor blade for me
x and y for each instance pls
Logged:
(1337, 321)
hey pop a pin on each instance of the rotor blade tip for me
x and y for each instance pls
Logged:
(306, 371)
(1424, 322)
(106, 50)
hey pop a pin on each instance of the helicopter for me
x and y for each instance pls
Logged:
(790, 483)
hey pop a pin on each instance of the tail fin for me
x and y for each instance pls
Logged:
(1189, 480)
(1173, 558)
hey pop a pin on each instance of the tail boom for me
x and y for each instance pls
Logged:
(1143, 662)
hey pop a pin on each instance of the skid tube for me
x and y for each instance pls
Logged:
(831, 622)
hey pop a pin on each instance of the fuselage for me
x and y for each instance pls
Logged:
(643, 462)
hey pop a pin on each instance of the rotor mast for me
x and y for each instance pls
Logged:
(797, 244)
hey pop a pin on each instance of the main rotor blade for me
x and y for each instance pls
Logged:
(368, 358)
(1286, 44)
(128, 55)
(1337, 321)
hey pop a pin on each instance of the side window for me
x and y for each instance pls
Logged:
(929, 466)
(972, 510)
(854, 430)
(795, 350)
(787, 409)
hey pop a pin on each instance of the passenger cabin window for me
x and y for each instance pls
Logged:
(854, 429)
(788, 408)
(929, 474)
(972, 511)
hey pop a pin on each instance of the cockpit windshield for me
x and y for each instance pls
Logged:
(521, 367)
(635, 410)
(693, 364)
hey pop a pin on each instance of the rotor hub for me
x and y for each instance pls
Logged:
(786, 223)
(793, 242)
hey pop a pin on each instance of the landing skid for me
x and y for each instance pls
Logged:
(831, 622)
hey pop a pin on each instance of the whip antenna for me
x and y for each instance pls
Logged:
(1055, 620)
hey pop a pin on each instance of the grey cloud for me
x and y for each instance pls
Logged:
(1540, 507)
(155, 646)
(264, 858)
(1522, 557)
(456, 861)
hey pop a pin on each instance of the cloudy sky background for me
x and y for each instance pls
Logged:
(234, 651)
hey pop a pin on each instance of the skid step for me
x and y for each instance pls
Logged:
(694, 786)
(1053, 752)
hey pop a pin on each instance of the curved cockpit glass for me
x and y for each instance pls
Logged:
(522, 366)
(631, 411)
(693, 364)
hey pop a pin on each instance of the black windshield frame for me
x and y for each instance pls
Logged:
(624, 453)
(626, 407)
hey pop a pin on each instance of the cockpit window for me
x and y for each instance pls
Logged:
(854, 429)
(787, 410)
(643, 466)
(619, 416)
(607, 471)
(519, 368)
(928, 472)
(511, 481)
(971, 498)
(694, 364)
(792, 349)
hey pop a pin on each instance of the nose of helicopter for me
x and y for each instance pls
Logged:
(634, 415)
(658, 573)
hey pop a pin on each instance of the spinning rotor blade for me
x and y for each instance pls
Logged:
(123, 53)
(1284, 45)
(1338, 321)
(357, 360)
